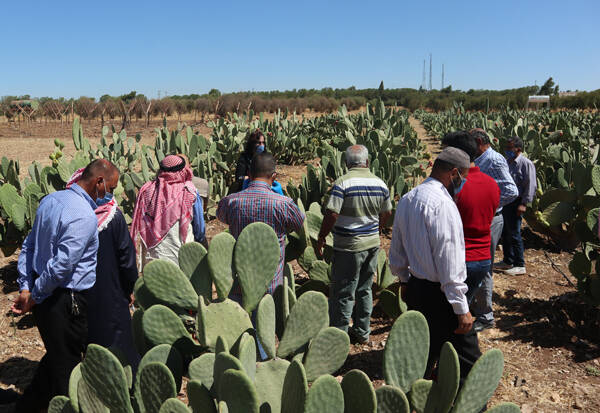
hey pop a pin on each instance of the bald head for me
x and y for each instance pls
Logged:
(99, 167)
(357, 155)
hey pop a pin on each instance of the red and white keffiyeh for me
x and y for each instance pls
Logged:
(163, 202)
(104, 213)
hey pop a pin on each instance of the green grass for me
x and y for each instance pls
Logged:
(592, 371)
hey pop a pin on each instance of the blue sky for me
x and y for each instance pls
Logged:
(84, 48)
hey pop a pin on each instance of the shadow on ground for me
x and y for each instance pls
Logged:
(17, 371)
(561, 321)
(8, 277)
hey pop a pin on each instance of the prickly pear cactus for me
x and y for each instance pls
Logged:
(220, 262)
(224, 362)
(202, 369)
(403, 362)
(391, 399)
(237, 390)
(60, 404)
(359, 394)
(162, 326)
(265, 325)
(156, 385)
(170, 285)
(226, 319)
(103, 372)
(255, 272)
(269, 380)
(327, 352)
(193, 263)
(199, 398)
(246, 354)
(325, 395)
(295, 388)
(302, 325)
(505, 408)
(419, 395)
(444, 390)
(174, 405)
(88, 400)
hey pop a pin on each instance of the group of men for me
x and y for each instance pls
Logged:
(78, 265)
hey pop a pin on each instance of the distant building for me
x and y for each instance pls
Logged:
(538, 99)
(564, 94)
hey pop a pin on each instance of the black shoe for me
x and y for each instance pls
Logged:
(357, 339)
(479, 325)
(8, 396)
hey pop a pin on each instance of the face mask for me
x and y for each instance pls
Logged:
(457, 187)
(260, 148)
(107, 197)
(510, 154)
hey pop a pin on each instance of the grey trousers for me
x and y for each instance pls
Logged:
(481, 307)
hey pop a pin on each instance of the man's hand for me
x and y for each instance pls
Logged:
(23, 304)
(521, 210)
(465, 323)
(320, 245)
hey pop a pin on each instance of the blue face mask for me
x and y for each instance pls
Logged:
(260, 148)
(510, 154)
(458, 187)
(106, 199)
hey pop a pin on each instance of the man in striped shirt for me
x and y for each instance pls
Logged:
(358, 204)
(258, 203)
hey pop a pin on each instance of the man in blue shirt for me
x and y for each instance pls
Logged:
(523, 172)
(493, 164)
(57, 266)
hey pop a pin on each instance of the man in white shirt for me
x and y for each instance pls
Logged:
(428, 256)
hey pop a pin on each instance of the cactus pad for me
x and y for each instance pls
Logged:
(60, 404)
(202, 369)
(237, 390)
(419, 395)
(199, 398)
(169, 356)
(444, 390)
(138, 331)
(308, 316)
(403, 362)
(173, 405)
(320, 271)
(103, 372)
(74, 379)
(162, 326)
(359, 394)
(88, 400)
(156, 385)
(255, 272)
(224, 362)
(391, 399)
(247, 354)
(193, 263)
(295, 387)
(505, 408)
(220, 260)
(265, 325)
(226, 319)
(143, 296)
(269, 380)
(170, 285)
(221, 346)
(481, 382)
(325, 395)
(327, 352)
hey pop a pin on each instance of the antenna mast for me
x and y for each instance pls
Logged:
(424, 82)
(430, 87)
(442, 75)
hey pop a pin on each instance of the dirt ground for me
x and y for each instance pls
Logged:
(550, 339)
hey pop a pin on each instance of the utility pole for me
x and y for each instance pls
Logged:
(442, 75)
(430, 87)
(424, 81)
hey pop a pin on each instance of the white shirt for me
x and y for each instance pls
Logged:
(167, 249)
(428, 241)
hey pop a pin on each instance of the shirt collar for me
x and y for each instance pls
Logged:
(259, 184)
(79, 190)
(435, 183)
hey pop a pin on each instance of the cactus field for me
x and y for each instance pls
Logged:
(199, 347)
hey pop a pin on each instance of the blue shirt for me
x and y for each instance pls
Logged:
(62, 246)
(198, 219)
(522, 171)
(493, 164)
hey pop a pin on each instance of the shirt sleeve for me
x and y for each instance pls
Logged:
(72, 242)
(448, 245)
(222, 210)
(336, 199)
(508, 190)
(25, 265)
(294, 217)
(198, 219)
(529, 182)
(386, 203)
(398, 257)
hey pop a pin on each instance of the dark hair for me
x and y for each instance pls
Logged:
(479, 133)
(462, 140)
(99, 167)
(251, 140)
(262, 166)
(515, 140)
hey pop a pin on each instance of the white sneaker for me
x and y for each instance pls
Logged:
(501, 266)
(515, 271)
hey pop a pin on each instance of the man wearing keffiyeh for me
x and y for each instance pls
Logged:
(168, 213)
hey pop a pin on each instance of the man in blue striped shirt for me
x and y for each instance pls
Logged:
(493, 164)
(57, 266)
(358, 204)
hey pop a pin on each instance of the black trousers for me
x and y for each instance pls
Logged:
(427, 297)
(63, 329)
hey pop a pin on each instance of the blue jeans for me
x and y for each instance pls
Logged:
(476, 272)
(512, 243)
(482, 303)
